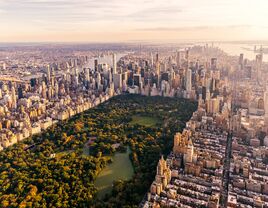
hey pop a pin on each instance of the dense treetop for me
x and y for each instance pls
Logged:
(57, 169)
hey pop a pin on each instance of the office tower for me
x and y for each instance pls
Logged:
(158, 73)
(178, 59)
(48, 73)
(137, 79)
(241, 59)
(49, 92)
(266, 106)
(68, 74)
(114, 64)
(152, 59)
(33, 82)
(213, 63)
(110, 78)
(189, 80)
(187, 55)
(98, 80)
(14, 98)
(157, 58)
(44, 90)
(213, 105)
(76, 80)
(4, 88)
(125, 76)
(241, 62)
(75, 63)
(164, 67)
(62, 90)
(117, 81)
(20, 92)
(96, 64)
(4, 66)
(258, 65)
(172, 75)
(248, 71)
(56, 89)
(76, 71)
(197, 64)
(165, 76)
(187, 58)
(87, 74)
(52, 72)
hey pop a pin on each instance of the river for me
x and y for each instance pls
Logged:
(235, 49)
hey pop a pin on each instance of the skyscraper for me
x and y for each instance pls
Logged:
(44, 90)
(258, 65)
(152, 59)
(187, 58)
(4, 66)
(137, 79)
(14, 98)
(87, 74)
(48, 73)
(114, 64)
(189, 80)
(266, 106)
(157, 58)
(96, 64)
(20, 92)
(241, 59)
(178, 59)
(213, 63)
(117, 81)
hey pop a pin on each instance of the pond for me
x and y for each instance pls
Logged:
(120, 169)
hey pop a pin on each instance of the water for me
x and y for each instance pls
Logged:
(105, 59)
(102, 60)
(247, 49)
(120, 169)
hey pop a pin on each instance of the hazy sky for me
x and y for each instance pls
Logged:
(132, 20)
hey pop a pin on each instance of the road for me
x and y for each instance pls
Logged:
(226, 170)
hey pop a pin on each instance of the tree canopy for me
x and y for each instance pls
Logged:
(53, 170)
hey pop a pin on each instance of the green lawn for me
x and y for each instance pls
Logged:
(59, 155)
(147, 121)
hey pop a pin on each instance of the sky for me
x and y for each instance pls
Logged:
(132, 20)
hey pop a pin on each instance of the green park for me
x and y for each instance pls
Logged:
(103, 157)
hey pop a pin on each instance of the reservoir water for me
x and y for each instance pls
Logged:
(120, 169)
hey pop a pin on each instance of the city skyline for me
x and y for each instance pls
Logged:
(137, 103)
(121, 21)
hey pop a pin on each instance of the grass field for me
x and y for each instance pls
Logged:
(144, 120)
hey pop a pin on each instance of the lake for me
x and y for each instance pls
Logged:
(120, 169)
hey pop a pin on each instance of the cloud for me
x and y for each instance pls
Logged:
(159, 13)
(192, 28)
(134, 17)
(71, 11)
